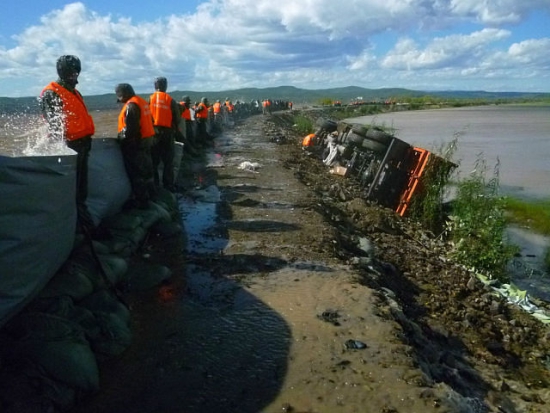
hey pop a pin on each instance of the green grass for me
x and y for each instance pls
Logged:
(534, 215)
(303, 125)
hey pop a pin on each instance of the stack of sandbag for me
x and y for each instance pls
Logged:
(49, 352)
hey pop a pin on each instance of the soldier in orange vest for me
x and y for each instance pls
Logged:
(135, 134)
(201, 117)
(188, 118)
(166, 116)
(68, 120)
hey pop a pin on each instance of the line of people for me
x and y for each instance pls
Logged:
(147, 132)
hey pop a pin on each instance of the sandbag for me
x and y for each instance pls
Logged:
(113, 318)
(108, 184)
(37, 225)
(59, 347)
(145, 276)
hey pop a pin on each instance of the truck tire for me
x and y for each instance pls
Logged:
(374, 146)
(378, 135)
(355, 138)
(326, 124)
(343, 127)
(360, 129)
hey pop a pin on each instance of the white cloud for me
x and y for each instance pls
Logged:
(443, 52)
(497, 11)
(229, 44)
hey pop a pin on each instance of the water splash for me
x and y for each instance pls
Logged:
(24, 134)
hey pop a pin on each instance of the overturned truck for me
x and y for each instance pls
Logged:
(391, 172)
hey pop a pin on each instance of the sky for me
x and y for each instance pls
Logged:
(491, 45)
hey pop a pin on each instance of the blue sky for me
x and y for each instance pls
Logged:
(493, 45)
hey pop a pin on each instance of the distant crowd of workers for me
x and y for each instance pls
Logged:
(147, 131)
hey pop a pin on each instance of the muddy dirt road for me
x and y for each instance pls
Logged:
(290, 294)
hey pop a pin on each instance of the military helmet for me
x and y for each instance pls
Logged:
(161, 83)
(124, 91)
(68, 65)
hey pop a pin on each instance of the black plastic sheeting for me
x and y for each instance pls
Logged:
(37, 225)
(38, 214)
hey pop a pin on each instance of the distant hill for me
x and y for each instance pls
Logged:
(291, 93)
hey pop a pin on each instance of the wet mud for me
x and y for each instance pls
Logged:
(289, 293)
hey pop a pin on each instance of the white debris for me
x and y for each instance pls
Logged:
(249, 166)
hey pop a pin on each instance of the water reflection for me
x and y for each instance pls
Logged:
(234, 347)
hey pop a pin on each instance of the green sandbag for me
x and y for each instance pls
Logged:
(59, 347)
(64, 307)
(64, 283)
(115, 269)
(115, 337)
(123, 221)
(113, 318)
(151, 215)
(105, 301)
(146, 276)
(133, 236)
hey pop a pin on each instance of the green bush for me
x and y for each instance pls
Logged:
(478, 224)
(303, 125)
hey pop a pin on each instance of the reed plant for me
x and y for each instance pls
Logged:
(429, 207)
(477, 226)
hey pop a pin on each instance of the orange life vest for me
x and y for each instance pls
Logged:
(146, 120)
(202, 111)
(229, 106)
(160, 103)
(77, 121)
(217, 107)
(309, 140)
(185, 113)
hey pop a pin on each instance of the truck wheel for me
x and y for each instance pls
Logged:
(374, 146)
(378, 135)
(360, 129)
(327, 125)
(355, 138)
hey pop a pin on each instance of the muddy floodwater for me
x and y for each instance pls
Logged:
(519, 136)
